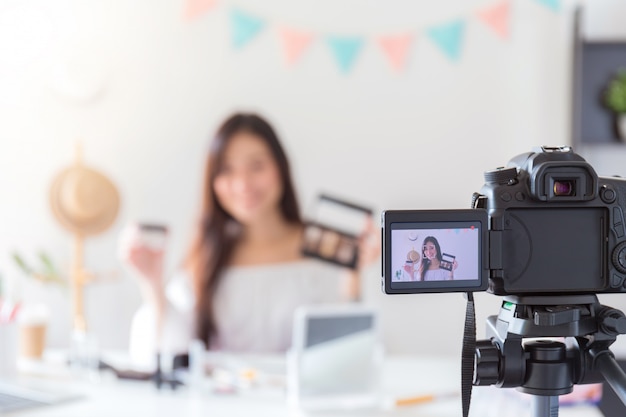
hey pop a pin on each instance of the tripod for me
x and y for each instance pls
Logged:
(581, 330)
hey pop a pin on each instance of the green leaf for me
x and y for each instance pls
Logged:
(615, 96)
(22, 264)
(48, 267)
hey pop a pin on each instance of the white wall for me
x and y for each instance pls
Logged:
(154, 87)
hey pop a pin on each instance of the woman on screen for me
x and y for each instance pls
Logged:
(430, 269)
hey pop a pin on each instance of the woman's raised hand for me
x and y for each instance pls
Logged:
(369, 245)
(145, 260)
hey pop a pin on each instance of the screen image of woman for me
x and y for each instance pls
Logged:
(433, 266)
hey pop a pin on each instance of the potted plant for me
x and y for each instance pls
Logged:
(615, 100)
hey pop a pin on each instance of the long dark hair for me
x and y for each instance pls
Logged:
(218, 232)
(425, 261)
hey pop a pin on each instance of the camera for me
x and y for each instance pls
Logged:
(545, 224)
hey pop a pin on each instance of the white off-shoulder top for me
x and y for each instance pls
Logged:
(254, 308)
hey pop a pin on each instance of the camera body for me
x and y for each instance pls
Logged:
(545, 224)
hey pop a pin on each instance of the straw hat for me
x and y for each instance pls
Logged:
(413, 256)
(83, 200)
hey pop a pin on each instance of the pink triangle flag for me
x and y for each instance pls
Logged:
(196, 8)
(294, 43)
(396, 48)
(497, 17)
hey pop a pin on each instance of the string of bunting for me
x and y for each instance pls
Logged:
(448, 36)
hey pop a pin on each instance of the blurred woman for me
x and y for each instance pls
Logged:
(244, 275)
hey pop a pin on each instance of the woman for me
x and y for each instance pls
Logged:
(244, 275)
(430, 268)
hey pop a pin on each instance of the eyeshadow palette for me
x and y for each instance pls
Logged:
(333, 236)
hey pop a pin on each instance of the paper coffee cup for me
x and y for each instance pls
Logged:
(33, 322)
(32, 340)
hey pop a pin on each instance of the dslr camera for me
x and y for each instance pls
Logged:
(544, 225)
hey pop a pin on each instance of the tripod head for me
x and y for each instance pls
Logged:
(543, 345)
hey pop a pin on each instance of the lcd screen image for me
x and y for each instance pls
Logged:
(443, 254)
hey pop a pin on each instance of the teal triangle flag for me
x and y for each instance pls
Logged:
(244, 27)
(551, 4)
(345, 50)
(448, 38)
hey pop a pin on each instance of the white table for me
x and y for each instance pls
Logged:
(402, 376)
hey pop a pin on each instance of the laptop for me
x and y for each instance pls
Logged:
(18, 395)
(336, 358)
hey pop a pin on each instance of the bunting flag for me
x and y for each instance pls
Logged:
(396, 48)
(497, 17)
(294, 43)
(196, 8)
(448, 38)
(345, 50)
(551, 4)
(244, 27)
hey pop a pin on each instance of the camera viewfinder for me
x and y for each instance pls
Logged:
(564, 188)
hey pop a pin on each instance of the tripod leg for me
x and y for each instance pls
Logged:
(605, 362)
(544, 406)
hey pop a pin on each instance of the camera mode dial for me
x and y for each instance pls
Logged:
(619, 257)
(501, 176)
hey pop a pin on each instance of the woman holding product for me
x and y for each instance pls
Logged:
(244, 275)
(430, 268)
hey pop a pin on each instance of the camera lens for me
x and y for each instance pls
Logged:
(564, 188)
